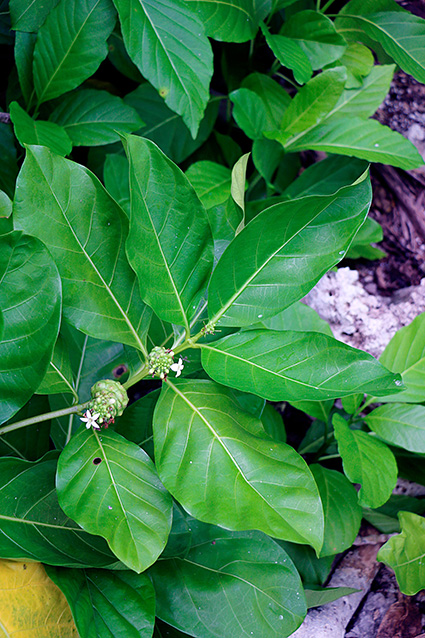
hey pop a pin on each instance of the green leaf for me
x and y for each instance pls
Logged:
(399, 424)
(5, 208)
(326, 177)
(29, 15)
(405, 354)
(298, 317)
(176, 255)
(166, 128)
(293, 366)
(106, 603)
(59, 377)
(24, 53)
(63, 59)
(352, 403)
(227, 585)
(316, 409)
(167, 43)
(117, 180)
(215, 460)
(400, 33)
(211, 182)
(136, 422)
(319, 597)
(384, 518)
(238, 184)
(317, 36)
(365, 100)
(366, 461)
(117, 53)
(312, 104)
(259, 105)
(81, 226)
(355, 137)
(282, 253)
(33, 441)
(272, 423)
(9, 166)
(29, 131)
(359, 62)
(33, 526)
(93, 118)
(404, 554)
(119, 497)
(30, 299)
(233, 21)
(312, 570)
(369, 232)
(341, 509)
(290, 54)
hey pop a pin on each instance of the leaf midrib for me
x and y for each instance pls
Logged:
(93, 265)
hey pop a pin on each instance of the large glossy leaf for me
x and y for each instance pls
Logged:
(166, 41)
(326, 177)
(233, 21)
(405, 354)
(218, 463)
(259, 105)
(29, 131)
(405, 553)
(356, 137)
(399, 424)
(32, 442)
(63, 58)
(136, 422)
(400, 33)
(85, 231)
(367, 461)
(366, 99)
(29, 15)
(166, 128)
(111, 487)
(30, 299)
(211, 182)
(290, 54)
(312, 103)
(170, 222)
(313, 570)
(117, 180)
(341, 509)
(24, 52)
(59, 377)
(230, 585)
(317, 36)
(319, 597)
(93, 118)
(33, 526)
(106, 603)
(31, 604)
(294, 366)
(283, 252)
(297, 317)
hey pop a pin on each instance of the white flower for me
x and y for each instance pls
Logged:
(177, 367)
(90, 420)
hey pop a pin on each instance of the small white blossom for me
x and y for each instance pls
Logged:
(177, 367)
(90, 420)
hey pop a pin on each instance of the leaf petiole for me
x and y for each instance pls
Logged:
(43, 417)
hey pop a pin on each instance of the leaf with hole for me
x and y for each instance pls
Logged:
(111, 487)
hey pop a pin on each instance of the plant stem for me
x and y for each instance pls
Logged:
(43, 417)
(329, 456)
(327, 5)
(280, 75)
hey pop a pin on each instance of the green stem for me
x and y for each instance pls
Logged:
(327, 5)
(280, 75)
(328, 457)
(141, 373)
(43, 417)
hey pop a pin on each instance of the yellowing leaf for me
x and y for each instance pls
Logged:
(31, 605)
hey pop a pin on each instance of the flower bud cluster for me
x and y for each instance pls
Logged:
(109, 399)
(209, 328)
(160, 361)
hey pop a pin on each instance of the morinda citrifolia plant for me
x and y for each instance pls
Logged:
(139, 249)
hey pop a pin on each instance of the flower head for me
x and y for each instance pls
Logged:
(90, 420)
(177, 367)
